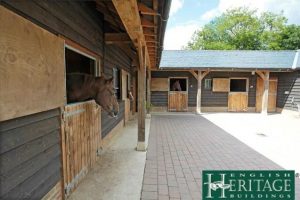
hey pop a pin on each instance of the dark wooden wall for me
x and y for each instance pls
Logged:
(108, 123)
(30, 155)
(161, 98)
(30, 165)
(75, 20)
(288, 82)
(209, 98)
(80, 22)
(114, 58)
(220, 99)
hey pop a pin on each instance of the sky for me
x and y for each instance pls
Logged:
(187, 16)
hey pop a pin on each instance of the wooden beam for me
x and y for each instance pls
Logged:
(129, 15)
(204, 74)
(112, 38)
(194, 74)
(145, 10)
(141, 145)
(149, 45)
(148, 31)
(261, 74)
(265, 97)
(149, 39)
(148, 90)
(147, 23)
(199, 83)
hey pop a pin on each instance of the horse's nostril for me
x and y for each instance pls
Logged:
(116, 113)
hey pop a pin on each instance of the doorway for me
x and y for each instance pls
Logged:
(178, 94)
(238, 95)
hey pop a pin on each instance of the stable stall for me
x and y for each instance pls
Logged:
(226, 81)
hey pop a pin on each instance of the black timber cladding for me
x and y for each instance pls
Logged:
(80, 22)
(72, 19)
(209, 98)
(161, 98)
(220, 99)
(288, 87)
(108, 122)
(30, 155)
(114, 58)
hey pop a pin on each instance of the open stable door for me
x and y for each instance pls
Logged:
(238, 95)
(237, 102)
(178, 94)
(272, 94)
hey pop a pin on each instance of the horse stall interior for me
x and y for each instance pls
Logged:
(178, 94)
(81, 135)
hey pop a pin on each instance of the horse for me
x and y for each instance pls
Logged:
(82, 87)
(176, 86)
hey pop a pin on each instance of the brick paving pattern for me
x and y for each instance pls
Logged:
(181, 146)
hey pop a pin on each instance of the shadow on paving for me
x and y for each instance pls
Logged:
(181, 146)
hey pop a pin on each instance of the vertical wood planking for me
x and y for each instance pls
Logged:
(82, 138)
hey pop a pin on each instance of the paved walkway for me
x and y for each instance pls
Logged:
(181, 146)
(118, 174)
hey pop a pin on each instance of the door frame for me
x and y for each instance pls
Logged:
(186, 92)
(246, 92)
(258, 98)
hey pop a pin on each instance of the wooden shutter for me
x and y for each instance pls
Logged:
(220, 85)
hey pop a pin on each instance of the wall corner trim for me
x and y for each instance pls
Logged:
(296, 59)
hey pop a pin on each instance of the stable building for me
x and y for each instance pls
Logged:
(226, 81)
(47, 146)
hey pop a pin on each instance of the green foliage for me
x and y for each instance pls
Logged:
(243, 29)
(290, 37)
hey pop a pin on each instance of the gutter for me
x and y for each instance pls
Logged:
(163, 24)
(294, 66)
(228, 69)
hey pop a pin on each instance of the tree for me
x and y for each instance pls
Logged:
(290, 37)
(243, 29)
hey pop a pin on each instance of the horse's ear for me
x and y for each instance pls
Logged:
(109, 81)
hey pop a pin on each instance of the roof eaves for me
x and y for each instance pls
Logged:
(283, 69)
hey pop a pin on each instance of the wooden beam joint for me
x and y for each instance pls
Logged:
(145, 10)
(111, 38)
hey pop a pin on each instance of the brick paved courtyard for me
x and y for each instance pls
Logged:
(181, 146)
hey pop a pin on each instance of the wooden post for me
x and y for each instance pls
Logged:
(148, 90)
(265, 97)
(141, 146)
(199, 79)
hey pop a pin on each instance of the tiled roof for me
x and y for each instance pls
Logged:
(233, 59)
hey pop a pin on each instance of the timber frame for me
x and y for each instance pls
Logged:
(114, 34)
(265, 76)
(141, 23)
(200, 74)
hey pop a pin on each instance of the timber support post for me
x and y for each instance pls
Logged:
(200, 76)
(265, 76)
(141, 145)
(199, 79)
(265, 97)
(148, 90)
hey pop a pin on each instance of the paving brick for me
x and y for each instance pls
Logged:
(149, 195)
(150, 188)
(180, 147)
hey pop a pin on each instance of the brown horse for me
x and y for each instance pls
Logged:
(82, 87)
(176, 86)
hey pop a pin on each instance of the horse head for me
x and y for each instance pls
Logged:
(105, 96)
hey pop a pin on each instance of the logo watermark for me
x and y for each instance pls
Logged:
(257, 184)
